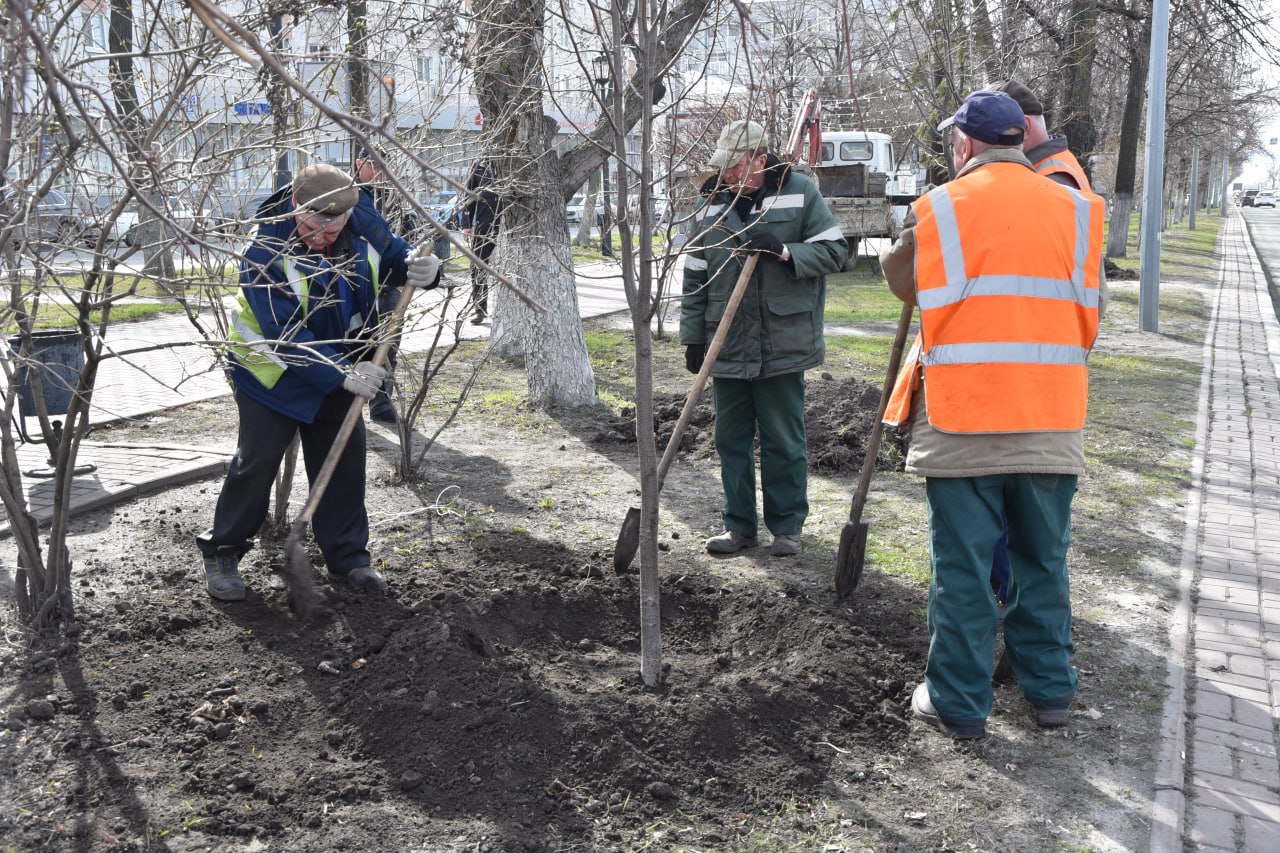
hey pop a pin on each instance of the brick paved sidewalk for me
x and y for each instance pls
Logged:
(1218, 781)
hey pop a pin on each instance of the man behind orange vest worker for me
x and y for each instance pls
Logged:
(1006, 268)
(1049, 155)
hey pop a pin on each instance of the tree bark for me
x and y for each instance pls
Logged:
(536, 183)
(1077, 104)
(1130, 132)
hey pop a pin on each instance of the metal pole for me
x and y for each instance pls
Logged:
(1194, 201)
(1226, 184)
(1153, 173)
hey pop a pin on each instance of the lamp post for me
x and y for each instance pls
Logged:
(602, 66)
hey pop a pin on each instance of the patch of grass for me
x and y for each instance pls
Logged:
(1183, 253)
(869, 351)
(861, 296)
(64, 317)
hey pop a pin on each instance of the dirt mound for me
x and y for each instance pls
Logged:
(839, 415)
(501, 690)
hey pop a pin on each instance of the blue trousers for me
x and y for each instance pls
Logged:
(967, 517)
(774, 406)
(340, 524)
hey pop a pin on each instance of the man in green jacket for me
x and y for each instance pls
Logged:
(756, 204)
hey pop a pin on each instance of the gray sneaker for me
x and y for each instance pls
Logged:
(222, 577)
(730, 542)
(785, 545)
(363, 578)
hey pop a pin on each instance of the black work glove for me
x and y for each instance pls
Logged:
(693, 356)
(760, 238)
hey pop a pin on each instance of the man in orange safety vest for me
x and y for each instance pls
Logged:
(1006, 266)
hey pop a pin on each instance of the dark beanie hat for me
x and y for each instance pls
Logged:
(1030, 104)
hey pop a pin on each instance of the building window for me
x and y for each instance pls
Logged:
(95, 30)
(426, 63)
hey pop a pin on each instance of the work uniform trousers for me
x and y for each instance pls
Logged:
(967, 516)
(340, 524)
(483, 245)
(775, 407)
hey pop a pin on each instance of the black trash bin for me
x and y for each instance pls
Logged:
(58, 355)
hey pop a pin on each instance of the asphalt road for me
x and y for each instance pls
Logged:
(1264, 231)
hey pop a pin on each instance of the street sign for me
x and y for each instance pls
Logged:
(252, 108)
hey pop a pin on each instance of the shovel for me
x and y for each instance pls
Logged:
(853, 536)
(624, 551)
(298, 573)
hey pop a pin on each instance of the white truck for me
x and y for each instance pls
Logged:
(868, 192)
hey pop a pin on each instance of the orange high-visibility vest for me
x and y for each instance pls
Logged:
(1006, 272)
(1064, 162)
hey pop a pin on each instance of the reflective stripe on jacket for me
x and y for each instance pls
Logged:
(258, 354)
(778, 327)
(1006, 272)
(1063, 162)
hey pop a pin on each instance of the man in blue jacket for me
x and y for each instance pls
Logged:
(308, 303)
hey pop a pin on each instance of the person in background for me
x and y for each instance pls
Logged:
(1049, 156)
(308, 301)
(756, 204)
(373, 181)
(1006, 267)
(481, 218)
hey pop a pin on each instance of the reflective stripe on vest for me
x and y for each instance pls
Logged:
(898, 409)
(250, 349)
(1007, 282)
(1064, 162)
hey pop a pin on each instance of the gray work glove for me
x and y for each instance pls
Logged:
(364, 380)
(423, 268)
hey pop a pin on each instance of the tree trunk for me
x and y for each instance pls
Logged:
(536, 243)
(507, 55)
(1077, 105)
(1130, 132)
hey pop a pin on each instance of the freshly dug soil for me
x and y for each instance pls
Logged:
(493, 700)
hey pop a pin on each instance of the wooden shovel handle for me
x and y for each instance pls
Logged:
(877, 429)
(353, 413)
(708, 361)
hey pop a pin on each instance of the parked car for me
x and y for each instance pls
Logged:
(231, 211)
(1265, 198)
(1247, 199)
(50, 218)
(573, 210)
(443, 206)
(123, 230)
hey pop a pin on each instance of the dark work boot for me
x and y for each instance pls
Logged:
(381, 408)
(222, 577)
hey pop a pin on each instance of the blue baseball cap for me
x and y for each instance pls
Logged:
(990, 117)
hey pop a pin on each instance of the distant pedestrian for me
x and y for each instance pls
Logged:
(307, 305)
(756, 204)
(481, 219)
(1007, 269)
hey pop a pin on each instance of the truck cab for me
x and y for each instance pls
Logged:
(857, 174)
(862, 164)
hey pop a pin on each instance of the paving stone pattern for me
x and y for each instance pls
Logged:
(1230, 773)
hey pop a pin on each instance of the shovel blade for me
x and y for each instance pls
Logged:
(624, 550)
(851, 557)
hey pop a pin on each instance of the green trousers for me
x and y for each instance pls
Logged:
(774, 406)
(966, 518)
